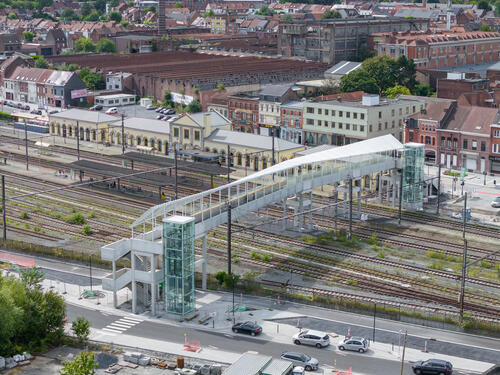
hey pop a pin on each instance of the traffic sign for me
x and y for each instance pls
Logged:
(462, 173)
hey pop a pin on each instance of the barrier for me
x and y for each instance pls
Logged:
(16, 260)
(192, 346)
(343, 372)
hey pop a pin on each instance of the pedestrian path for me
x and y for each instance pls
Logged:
(122, 324)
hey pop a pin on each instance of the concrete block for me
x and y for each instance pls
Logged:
(2, 363)
(144, 361)
(18, 357)
(27, 356)
(132, 357)
(216, 370)
(10, 363)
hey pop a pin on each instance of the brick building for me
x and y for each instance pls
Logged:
(243, 111)
(456, 84)
(433, 50)
(495, 148)
(291, 122)
(333, 40)
(9, 42)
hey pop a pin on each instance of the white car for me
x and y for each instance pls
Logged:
(310, 337)
(112, 110)
(495, 203)
(150, 107)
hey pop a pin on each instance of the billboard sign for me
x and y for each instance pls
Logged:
(179, 98)
(75, 94)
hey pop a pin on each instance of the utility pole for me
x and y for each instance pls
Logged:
(403, 356)
(26, 143)
(175, 167)
(439, 189)
(374, 317)
(4, 214)
(78, 139)
(123, 134)
(400, 197)
(272, 130)
(228, 164)
(229, 238)
(464, 263)
(90, 268)
(336, 197)
(349, 235)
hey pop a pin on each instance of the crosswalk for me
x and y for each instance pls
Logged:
(122, 324)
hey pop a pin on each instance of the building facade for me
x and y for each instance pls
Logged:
(270, 99)
(340, 122)
(92, 125)
(495, 148)
(243, 110)
(333, 40)
(439, 50)
(291, 122)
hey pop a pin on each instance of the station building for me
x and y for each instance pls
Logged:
(93, 125)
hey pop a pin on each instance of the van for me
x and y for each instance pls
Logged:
(310, 337)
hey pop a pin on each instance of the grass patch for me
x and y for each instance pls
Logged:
(76, 218)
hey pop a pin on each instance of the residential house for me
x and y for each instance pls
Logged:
(244, 112)
(270, 99)
(57, 38)
(495, 148)
(9, 42)
(291, 122)
(119, 81)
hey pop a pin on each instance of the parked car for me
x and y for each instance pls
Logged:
(495, 203)
(160, 117)
(432, 366)
(112, 110)
(159, 109)
(9, 104)
(170, 111)
(249, 328)
(96, 107)
(53, 111)
(26, 108)
(150, 107)
(311, 337)
(301, 359)
(358, 344)
(36, 112)
(20, 105)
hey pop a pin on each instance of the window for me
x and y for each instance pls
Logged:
(496, 133)
(319, 111)
(380, 114)
(196, 135)
(176, 132)
(371, 128)
(392, 112)
(474, 145)
(354, 115)
(362, 116)
(333, 125)
(340, 113)
(385, 125)
(362, 128)
(326, 112)
(310, 110)
(186, 133)
(442, 141)
(340, 125)
(348, 126)
(319, 122)
(348, 114)
(393, 124)
(455, 143)
(354, 127)
(310, 121)
(483, 146)
(333, 112)
(379, 126)
(400, 111)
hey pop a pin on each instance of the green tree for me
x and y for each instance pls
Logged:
(83, 44)
(124, 23)
(41, 63)
(485, 27)
(68, 14)
(220, 86)
(194, 106)
(100, 6)
(167, 99)
(40, 4)
(114, 3)
(94, 16)
(12, 16)
(115, 16)
(12, 317)
(383, 70)
(422, 90)
(32, 278)
(105, 45)
(331, 14)
(87, 8)
(81, 329)
(359, 80)
(83, 364)
(483, 4)
(152, 8)
(210, 13)
(28, 36)
(94, 81)
(406, 72)
(497, 7)
(265, 11)
(392, 92)
(286, 17)
(178, 5)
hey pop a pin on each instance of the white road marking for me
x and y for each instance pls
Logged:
(111, 330)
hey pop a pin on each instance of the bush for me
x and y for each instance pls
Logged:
(76, 218)
(86, 230)
(81, 329)
(92, 215)
(24, 215)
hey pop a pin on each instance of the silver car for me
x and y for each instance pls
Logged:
(301, 359)
(495, 202)
(358, 344)
(310, 337)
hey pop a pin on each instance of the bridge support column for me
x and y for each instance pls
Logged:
(359, 200)
(335, 210)
(380, 188)
(134, 286)
(115, 299)
(310, 224)
(284, 214)
(393, 186)
(204, 266)
(153, 286)
(301, 210)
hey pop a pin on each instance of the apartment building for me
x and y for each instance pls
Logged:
(270, 99)
(44, 87)
(340, 122)
(291, 122)
(333, 40)
(432, 50)
(495, 148)
(243, 110)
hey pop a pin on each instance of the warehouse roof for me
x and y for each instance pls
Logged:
(83, 115)
(261, 142)
(248, 364)
(344, 67)
(144, 124)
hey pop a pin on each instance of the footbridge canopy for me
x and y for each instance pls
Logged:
(278, 182)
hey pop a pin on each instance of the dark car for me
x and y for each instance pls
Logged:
(432, 366)
(250, 328)
(97, 107)
(36, 112)
(170, 111)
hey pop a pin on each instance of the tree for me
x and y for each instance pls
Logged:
(483, 4)
(105, 45)
(167, 99)
(12, 16)
(41, 63)
(422, 90)
(114, 3)
(497, 8)
(331, 14)
(194, 106)
(406, 72)
(83, 364)
(265, 11)
(83, 44)
(68, 14)
(115, 16)
(392, 92)
(100, 6)
(359, 80)
(87, 8)
(220, 86)
(152, 8)
(32, 277)
(210, 13)
(94, 16)
(28, 36)
(81, 329)
(178, 5)
(94, 81)
(286, 17)
(485, 27)
(383, 70)
(124, 23)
